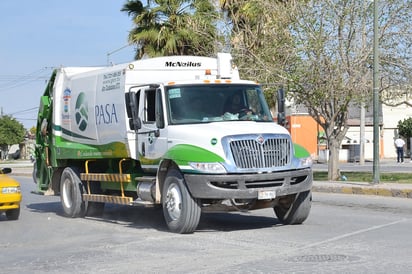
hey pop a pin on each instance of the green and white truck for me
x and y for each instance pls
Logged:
(181, 132)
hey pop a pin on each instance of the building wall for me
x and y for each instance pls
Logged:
(353, 138)
(391, 117)
(304, 131)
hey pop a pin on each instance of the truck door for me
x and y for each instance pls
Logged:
(151, 139)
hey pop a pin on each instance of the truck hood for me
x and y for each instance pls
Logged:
(221, 129)
(209, 136)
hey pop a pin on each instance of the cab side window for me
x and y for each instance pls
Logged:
(150, 106)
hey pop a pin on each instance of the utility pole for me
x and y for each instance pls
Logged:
(376, 140)
(362, 135)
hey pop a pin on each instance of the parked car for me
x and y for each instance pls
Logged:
(10, 195)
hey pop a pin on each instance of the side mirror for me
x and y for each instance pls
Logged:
(160, 123)
(132, 106)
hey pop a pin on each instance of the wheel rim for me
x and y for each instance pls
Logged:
(174, 202)
(67, 194)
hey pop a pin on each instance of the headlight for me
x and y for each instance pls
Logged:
(208, 167)
(10, 189)
(307, 161)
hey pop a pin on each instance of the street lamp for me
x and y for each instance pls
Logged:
(114, 51)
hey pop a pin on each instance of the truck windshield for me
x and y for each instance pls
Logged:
(189, 104)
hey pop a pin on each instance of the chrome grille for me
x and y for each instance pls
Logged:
(258, 153)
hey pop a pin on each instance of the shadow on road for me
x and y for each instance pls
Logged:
(49, 207)
(152, 218)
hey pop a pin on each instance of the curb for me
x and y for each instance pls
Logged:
(386, 190)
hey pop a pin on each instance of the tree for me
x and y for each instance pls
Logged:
(405, 130)
(334, 41)
(11, 132)
(260, 41)
(173, 27)
(321, 52)
(33, 130)
(395, 52)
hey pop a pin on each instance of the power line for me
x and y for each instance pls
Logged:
(26, 110)
(13, 81)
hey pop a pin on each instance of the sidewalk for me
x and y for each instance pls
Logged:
(381, 189)
(25, 168)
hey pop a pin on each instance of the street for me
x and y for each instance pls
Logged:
(344, 234)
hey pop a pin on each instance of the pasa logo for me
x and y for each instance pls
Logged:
(81, 111)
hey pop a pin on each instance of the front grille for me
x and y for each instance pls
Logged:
(259, 153)
(252, 184)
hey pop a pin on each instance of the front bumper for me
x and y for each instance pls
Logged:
(10, 201)
(247, 186)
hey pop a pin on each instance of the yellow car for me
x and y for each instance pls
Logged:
(10, 195)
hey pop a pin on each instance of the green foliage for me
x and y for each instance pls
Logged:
(367, 177)
(405, 128)
(32, 130)
(173, 27)
(11, 131)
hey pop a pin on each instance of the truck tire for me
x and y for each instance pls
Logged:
(294, 209)
(71, 190)
(13, 214)
(181, 211)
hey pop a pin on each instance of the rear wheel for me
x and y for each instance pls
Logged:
(180, 209)
(13, 214)
(71, 190)
(294, 209)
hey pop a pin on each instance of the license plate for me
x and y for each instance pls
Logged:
(266, 194)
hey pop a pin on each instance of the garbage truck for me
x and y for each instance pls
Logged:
(183, 133)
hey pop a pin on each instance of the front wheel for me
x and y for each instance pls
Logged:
(180, 209)
(13, 214)
(71, 190)
(294, 209)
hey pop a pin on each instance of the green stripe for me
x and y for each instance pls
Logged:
(65, 149)
(70, 133)
(182, 154)
(300, 151)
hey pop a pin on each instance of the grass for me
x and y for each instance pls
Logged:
(399, 178)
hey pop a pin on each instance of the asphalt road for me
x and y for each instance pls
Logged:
(344, 234)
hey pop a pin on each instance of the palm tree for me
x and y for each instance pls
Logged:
(170, 27)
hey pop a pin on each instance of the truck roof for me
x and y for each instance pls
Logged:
(166, 69)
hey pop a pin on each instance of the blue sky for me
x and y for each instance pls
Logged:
(39, 35)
